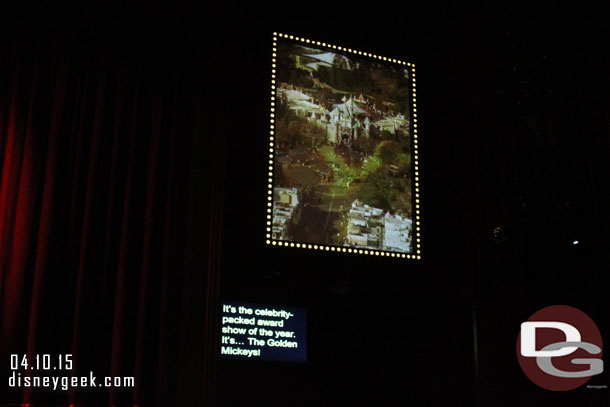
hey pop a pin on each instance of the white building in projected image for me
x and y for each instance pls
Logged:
(285, 202)
(348, 119)
(397, 233)
(364, 226)
(370, 228)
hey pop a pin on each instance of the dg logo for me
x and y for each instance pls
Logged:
(560, 348)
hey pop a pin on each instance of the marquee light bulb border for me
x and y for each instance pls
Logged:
(416, 255)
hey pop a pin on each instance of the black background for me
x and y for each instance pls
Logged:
(514, 126)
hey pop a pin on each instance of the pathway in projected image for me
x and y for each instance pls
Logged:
(342, 173)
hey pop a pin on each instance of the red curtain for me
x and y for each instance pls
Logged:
(101, 207)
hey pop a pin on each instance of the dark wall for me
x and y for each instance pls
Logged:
(514, 129)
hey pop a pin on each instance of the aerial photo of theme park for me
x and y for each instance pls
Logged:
(342, 173)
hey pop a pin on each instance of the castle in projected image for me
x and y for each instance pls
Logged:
(342, 170)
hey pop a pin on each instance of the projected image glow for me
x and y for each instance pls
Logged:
(263, 332)
(342, 171)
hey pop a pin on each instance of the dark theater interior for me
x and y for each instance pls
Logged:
(133, 193)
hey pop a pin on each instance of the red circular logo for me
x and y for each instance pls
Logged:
(559, 348)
